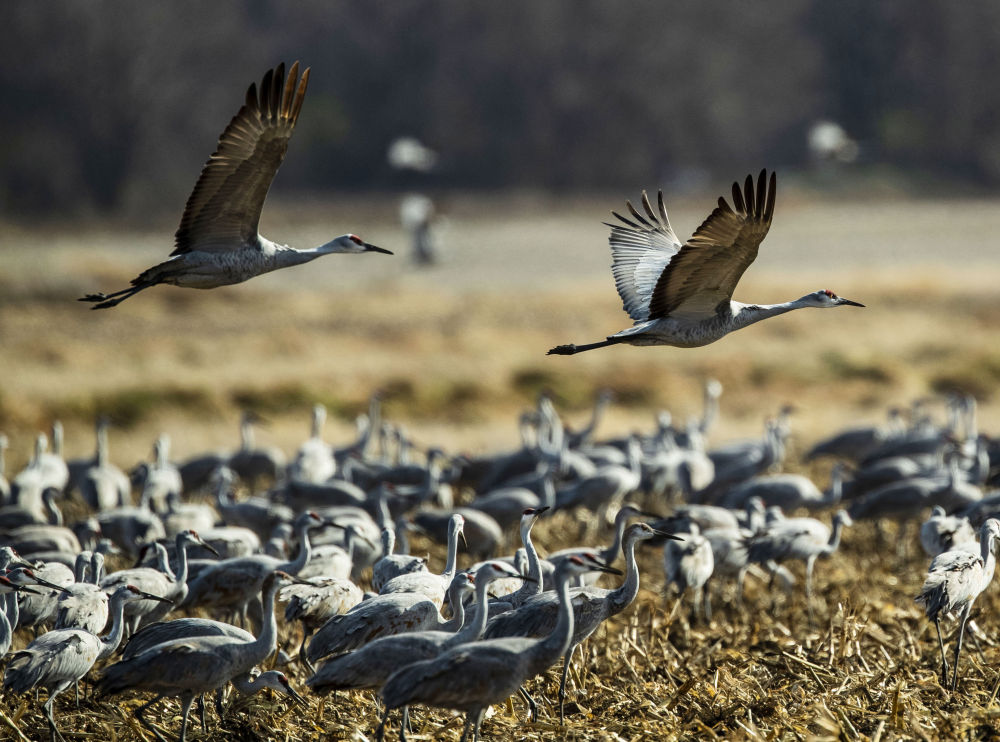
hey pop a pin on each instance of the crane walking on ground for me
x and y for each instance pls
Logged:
(192, 666)
(681, 295)
(490, 671)
(954, 581)
(217, 243)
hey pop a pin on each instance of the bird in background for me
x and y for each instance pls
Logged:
(681, 294)
(217, 243)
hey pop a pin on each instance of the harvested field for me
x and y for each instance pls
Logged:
(459, 350)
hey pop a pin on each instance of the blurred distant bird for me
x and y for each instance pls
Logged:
(681, 295)
(217, 243)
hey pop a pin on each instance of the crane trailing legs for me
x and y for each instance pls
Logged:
(681, 294)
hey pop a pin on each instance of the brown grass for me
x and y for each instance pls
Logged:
(460, 349)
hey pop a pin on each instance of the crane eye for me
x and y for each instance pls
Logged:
(355, 239)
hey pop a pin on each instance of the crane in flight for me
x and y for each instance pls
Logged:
(681, 294)
(217, 243)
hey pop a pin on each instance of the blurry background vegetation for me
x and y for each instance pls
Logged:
(98, 97)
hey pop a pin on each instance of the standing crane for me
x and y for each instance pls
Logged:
(314, 603)
(430, 585)
(392, 565)
(314, 460)
(192, 666)
(681, 295)
(161, 582)
(491, 670)
(235, 583)
(689, 564)
(371, 666)
(591, 605)
(954, 581)
(797, 538)
(217, 243)
(382, 615)
(59, 658)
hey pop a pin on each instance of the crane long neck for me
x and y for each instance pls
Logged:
(6, 632)
(110, 643)
(305, 552)
(260, 648)
(11, 611)
(182, 561)
(626, 593)
(529, 588)
(449, 567)
(248, 686)
(475, 628)
(989, 560)
(748, 314)
(102, 445)
(558, 642)
(611, 553)
(457, 610)
(834, 543)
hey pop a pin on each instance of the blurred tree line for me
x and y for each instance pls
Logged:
(112, 105)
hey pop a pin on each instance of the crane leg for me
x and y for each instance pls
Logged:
(140, 714)
(468, 725)
(567, 659)
(479, 723)
(809, 587)
(47, 707)
(306, 633)
(532, 706)
(186, 702)
(115, 297)
(958, 646)
(944, 658)
(707, 607)
(570, 349)
(380, 730)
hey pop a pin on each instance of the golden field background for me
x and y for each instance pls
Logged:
(459, 348)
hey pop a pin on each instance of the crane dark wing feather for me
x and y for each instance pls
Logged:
(705, 271)
(223, 210)
(641, 248)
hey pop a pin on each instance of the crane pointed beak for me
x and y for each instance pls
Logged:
(210, 548)
(30, 590)
(157, 598)
(849, 303)
(50, 585)
(528, 578)
(295, 695)
(374, 248)
(664, 534)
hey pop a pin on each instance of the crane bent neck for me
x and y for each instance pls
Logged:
(626, 593)
(110, 643)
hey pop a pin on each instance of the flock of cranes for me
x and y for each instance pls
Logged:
(464, 637)
(325, 530)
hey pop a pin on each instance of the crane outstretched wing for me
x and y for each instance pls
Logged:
(707, 268)
(223, 210)
(641, 248)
